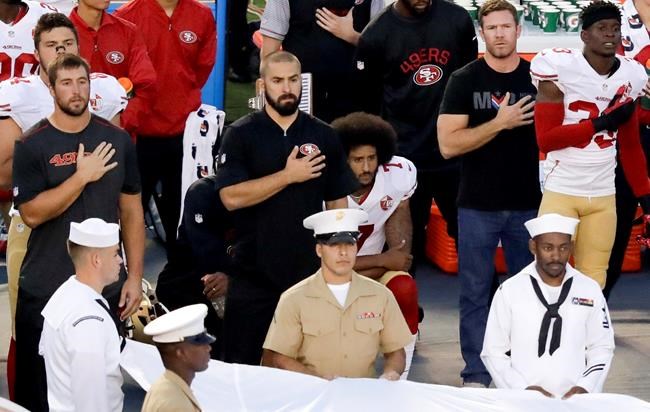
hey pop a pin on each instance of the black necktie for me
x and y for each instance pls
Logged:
(115, 320)
(551, 312)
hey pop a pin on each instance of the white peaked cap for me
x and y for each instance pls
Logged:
(94, 232)
(551, 223)
(335, 220)
(178, 324)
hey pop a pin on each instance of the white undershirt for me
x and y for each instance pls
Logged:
(340, 292)
(553, 293)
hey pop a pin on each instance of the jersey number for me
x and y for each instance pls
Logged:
(365, 232)
(603, 139)
(18, 65)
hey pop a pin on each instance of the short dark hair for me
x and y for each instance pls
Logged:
(360, 129)
(599, 10)
(50, 21)
(491, 6)
(65, 61)
(279, 56)
(76, 251)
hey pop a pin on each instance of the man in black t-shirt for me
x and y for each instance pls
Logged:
(276, 167)
(69, 167)
(198, 271)
(486, 119)
(404, 59)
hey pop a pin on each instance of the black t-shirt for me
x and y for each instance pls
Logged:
(319, 51)
(270, 241)
(403, 67)
(44, 159)
(504, 173)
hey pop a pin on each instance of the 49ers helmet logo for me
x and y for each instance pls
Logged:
(308, 148)
(386, 202)
(427, 75)
(114, 57)
(187, 36)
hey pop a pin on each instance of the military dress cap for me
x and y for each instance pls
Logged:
(94, 232)
(181, 325)
(551, 223)
(336, 225)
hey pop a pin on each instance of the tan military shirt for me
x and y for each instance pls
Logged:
(311, 326)
(170, 393)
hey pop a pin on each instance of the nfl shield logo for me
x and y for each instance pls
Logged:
(198, 218)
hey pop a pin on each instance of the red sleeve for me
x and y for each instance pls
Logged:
(632, 157)
(207, 55)
(552, 134)
(143, 77)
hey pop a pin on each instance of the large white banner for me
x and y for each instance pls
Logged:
(231, 387)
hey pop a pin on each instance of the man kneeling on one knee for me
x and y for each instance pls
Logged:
(335, 322)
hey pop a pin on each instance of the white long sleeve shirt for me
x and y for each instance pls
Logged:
(81, 349)
(586, 347)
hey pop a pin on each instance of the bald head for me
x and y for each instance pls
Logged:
(278, 57)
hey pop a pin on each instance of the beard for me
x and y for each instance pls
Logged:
(286, 108)
(71, 110)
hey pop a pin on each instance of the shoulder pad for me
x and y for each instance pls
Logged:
(548, 63)
(107, 96)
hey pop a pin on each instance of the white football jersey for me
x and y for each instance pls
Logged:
(395, 181)
(17, 42)
(587, 170)
(27, 100)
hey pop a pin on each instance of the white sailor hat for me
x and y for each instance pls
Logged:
(94, 232)
(181, 325)
(551, 223)
(336, 225)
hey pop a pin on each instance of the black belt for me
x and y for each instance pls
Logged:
(551, 312)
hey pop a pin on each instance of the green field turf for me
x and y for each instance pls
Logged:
(237, 94)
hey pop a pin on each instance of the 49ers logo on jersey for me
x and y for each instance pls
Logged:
(114, 57)
(427, 75)
(187, 36)
(308, 148)
(64, 159)
(386, 202)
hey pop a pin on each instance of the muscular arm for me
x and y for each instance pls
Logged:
(277, 360)
(254, 191)
(399, 236)
(9, 132)
(549, 115)
(399, 228)
(51, 203)
(132, 223)
(394, 364)
(269, 45)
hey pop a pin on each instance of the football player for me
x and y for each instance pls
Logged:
(386, 184)
(586, 103)
(26, 100)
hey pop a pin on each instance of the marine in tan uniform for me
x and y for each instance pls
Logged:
(184, 347)
(335, 322)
